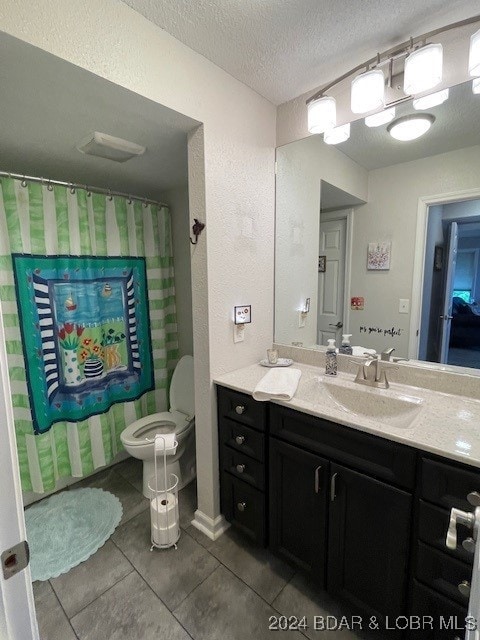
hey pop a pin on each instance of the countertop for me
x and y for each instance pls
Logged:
(443, 424)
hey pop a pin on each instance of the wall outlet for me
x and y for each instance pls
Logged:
(403, 305)
(238, 332)
(302, 319)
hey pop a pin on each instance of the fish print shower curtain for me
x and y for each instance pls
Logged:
(88, 301)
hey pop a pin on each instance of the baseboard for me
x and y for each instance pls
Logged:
(212, 528)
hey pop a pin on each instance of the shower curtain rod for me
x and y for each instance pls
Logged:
(74, 185)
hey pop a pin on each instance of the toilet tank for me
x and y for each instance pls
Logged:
(182, 391)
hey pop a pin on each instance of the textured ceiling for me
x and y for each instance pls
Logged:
(283, 48)
(48, 105)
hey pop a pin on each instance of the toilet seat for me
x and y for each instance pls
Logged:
(142, 432)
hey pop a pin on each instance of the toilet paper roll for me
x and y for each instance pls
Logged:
(167, 442)
(165, 536)
(163, 510)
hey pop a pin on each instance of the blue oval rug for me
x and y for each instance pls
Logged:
(67, 528)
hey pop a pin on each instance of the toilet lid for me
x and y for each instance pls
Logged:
(182, 391)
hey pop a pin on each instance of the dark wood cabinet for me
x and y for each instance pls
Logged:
(369, 530)
(298, 507)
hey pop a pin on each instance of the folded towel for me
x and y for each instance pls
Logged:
(361, 351)
(278, 384)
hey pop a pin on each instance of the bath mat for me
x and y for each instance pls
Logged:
(67, 528)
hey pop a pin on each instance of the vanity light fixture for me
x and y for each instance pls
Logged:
(423, 69)
(410, 127)
(432, 100)
(476, 85)
(384, 117)
(474, 55)
(322, 114)
(368, 91)
(337, 135)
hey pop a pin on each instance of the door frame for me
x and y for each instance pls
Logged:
(424, 204)
(342, 214)
(17, 609)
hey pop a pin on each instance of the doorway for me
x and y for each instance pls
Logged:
(450, 325)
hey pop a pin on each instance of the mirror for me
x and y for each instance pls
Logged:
(383, 237)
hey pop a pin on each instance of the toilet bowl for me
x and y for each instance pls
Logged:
(138, 437)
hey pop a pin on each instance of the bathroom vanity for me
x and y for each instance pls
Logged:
(362, 508)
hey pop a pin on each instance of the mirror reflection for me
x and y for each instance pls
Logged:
(383, 236)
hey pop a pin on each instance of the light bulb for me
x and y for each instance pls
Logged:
(380, 118)
(474, 56)
(432, 100)
(337, 135)
(423, 69)
(322, 114)
(368, 91)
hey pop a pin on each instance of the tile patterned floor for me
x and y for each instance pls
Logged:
(204, 590)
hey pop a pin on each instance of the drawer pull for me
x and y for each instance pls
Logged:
(464, 588)
(241, 506)
(333, 487)
(239, 439)
(240, 409)
(240, 468)
(474, 498)
(317, 479)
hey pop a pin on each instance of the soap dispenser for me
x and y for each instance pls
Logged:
(346, 347)
(331, 359)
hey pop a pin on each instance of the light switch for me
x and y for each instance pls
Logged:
(403, 305)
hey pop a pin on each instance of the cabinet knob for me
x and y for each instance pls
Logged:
(474, 498)
(240, 468)
(241, 506)
(464, 588)
(469, 545)
(240, 409)
(239, 439)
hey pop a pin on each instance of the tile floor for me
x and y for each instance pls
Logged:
(204, 590)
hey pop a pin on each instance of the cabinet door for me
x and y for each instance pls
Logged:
(369, 532)
(298, 501)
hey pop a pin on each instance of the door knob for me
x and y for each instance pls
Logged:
(469, 545)
(240, 409)
(446, 317)
(240, 468)
(239, 439)
(241, 506)
(474, 498)
(339, 325)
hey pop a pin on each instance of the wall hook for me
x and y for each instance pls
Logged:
(197, 229)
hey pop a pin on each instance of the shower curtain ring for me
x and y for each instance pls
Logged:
(50, 186)
(72, 189)
(129, 201)
(23, 182)
(110, 197)
(145, 204)
(88, 191)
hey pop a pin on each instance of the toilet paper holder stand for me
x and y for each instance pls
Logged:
(164, 515)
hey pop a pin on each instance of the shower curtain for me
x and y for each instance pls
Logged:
(122, 243)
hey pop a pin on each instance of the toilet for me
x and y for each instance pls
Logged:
(138, 437)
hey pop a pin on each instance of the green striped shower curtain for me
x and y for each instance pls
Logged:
(44, 220)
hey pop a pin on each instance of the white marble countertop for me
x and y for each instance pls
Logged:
(444, 424)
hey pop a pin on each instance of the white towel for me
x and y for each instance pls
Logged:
(278, 384)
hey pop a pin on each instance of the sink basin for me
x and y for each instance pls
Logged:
(381, 405)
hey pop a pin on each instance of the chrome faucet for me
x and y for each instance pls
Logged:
(373, 372)
(386, 356)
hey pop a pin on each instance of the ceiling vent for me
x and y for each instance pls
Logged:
(105, 146)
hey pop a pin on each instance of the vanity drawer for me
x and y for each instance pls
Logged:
(244, 467)
(447, 485)
(443, 573)
(448, 618)
(241, 408)
(244, 507)
(432, 528)
(243, 439)
(378, 457)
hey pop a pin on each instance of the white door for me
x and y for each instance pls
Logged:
(331, 283)
(17, 610)
(446, 315)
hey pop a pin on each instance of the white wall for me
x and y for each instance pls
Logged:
(177, 199)
(234, 170)
(391, 215)
(300, 168)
